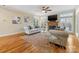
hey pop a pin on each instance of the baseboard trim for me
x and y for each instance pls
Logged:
(10, 34)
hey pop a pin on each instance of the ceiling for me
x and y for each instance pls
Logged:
(36, 9)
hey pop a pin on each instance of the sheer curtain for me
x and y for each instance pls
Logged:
(67, 23)
(67, 20)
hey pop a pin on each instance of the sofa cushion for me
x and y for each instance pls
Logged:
(59, 33)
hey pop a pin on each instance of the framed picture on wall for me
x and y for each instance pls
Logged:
(16, 20)
(26, 19)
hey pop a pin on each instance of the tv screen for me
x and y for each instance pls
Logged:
(52, 17)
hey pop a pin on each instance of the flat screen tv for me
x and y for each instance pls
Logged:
(52, 17)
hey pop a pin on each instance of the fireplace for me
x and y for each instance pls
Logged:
(52, 22)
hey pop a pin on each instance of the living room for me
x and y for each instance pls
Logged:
(31, 28)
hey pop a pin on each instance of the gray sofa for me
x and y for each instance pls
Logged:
(58, 37)
(31, 31)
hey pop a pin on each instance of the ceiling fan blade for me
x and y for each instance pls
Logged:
(49, 10)
(43, 9)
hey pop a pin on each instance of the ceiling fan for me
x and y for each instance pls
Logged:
(46, 9)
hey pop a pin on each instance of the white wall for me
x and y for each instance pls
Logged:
(6, 26)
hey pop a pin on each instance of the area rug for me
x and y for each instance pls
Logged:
(40, 41)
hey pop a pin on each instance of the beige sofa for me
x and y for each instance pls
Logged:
(58, 37)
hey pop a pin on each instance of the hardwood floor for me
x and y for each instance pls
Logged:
(13, 44)
(18, 44)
